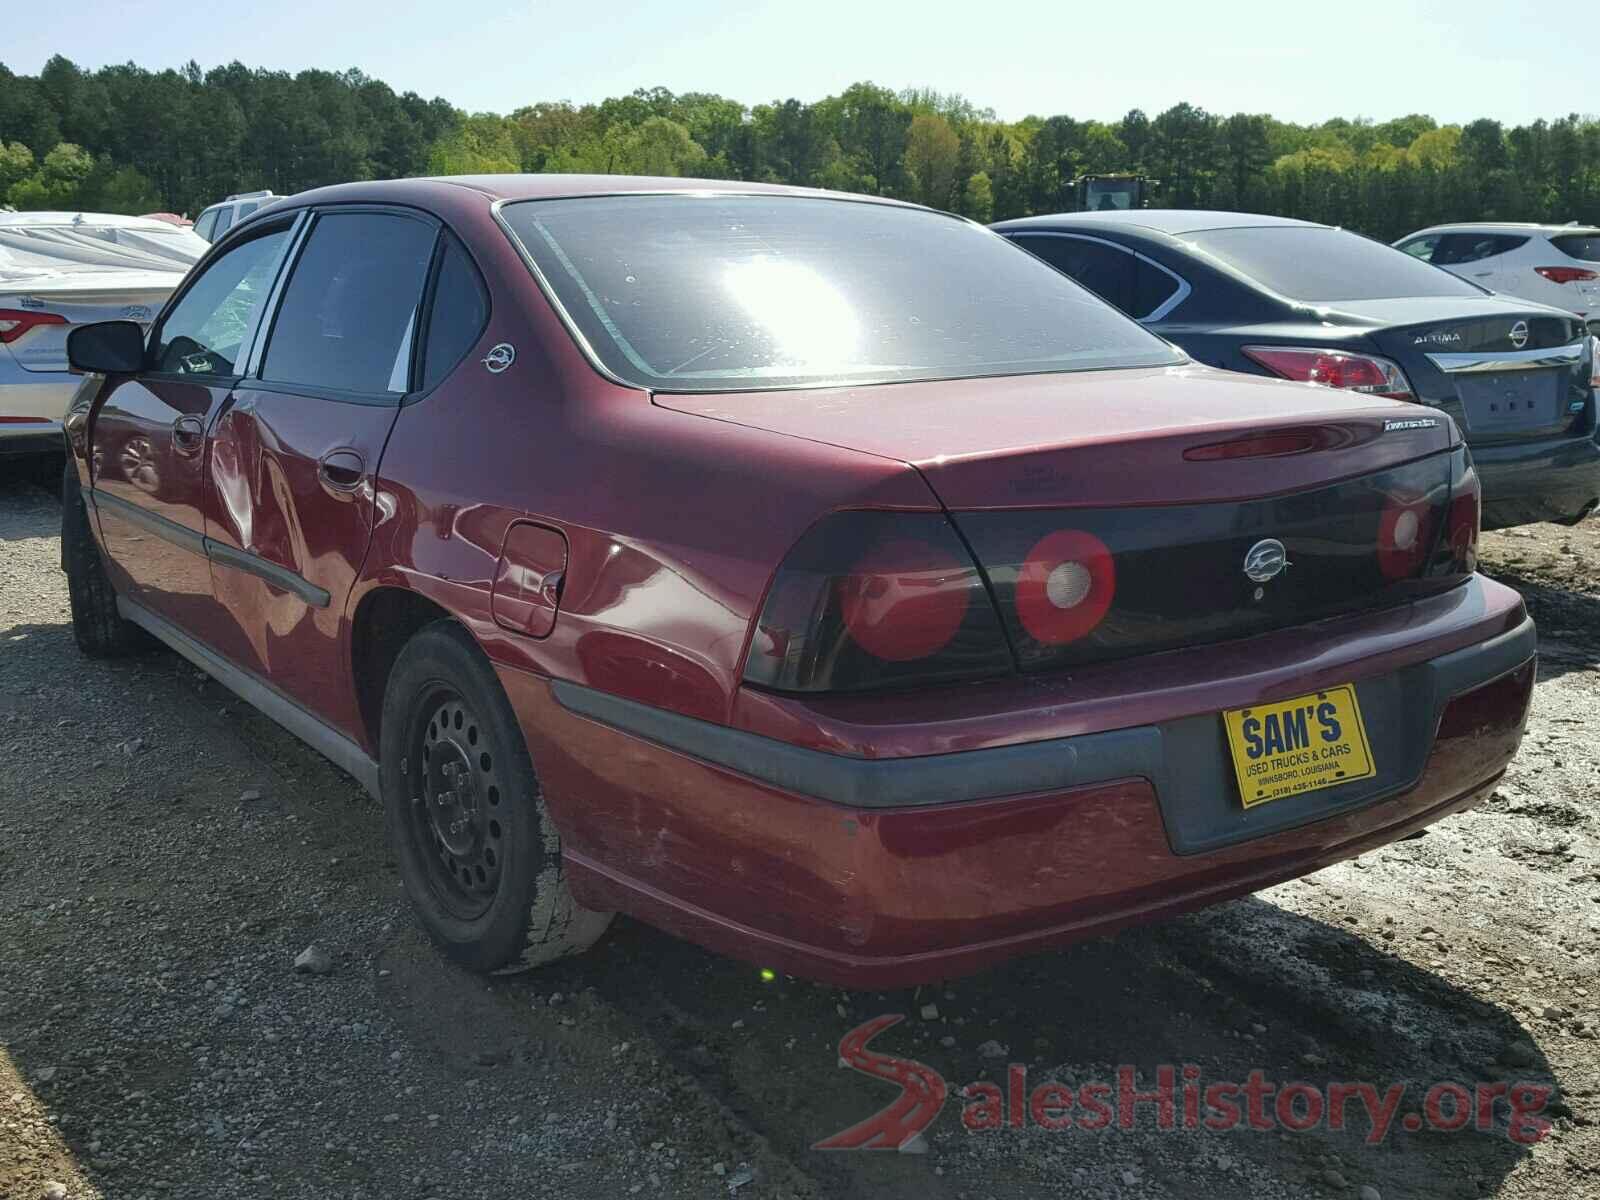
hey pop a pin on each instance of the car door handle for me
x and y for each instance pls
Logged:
(341, 470)
(188, 434)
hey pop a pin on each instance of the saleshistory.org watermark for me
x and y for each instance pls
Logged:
(1179, 1098)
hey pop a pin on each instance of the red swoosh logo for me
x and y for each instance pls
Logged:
(922, 1093)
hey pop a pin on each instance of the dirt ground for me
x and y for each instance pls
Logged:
(166, 853)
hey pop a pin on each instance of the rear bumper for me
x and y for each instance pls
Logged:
(1554, 480)
(884, 872)
(25, 440)
(32, 404)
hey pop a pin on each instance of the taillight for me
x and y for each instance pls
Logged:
(14, 322)
(876, 599)
(1334, 368)
(1457, 551)
(1065, 586)
(1405, 535)
(1568, 274)
(1466, 515)
(897, 601)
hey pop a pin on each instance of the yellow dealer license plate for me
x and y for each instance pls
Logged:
(1300, 745)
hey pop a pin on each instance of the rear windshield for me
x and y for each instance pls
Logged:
(1324, 265)
(720, 293)
(1578, 245)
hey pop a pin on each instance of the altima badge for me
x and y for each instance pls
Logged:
(501, 357)
(1266, 560)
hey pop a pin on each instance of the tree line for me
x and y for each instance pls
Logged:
(127, 139)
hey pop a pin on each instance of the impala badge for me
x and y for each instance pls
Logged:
(501, 357)
(1266, 560)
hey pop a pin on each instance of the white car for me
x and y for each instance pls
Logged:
(1557, 265)
(222, 216)
(61, 269)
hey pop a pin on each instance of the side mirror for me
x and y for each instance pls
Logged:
(107, 348)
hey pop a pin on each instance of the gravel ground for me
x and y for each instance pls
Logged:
(166, 854)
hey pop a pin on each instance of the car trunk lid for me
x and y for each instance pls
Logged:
(80, 298)
(1506, 372)
(1126, 437)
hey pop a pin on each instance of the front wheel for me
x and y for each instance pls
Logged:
(98, 627)
(478, 853)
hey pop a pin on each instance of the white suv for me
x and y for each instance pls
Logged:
(1553, 264)
(215, 221)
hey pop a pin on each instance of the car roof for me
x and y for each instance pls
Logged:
(1161, 220)
(54, 220)
(550, 187)
(1492, 226)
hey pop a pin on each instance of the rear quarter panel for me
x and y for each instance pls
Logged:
(675, 523)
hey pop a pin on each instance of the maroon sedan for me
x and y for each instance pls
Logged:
(822, 579)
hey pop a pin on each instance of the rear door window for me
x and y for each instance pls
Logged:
(224, 219)
(1584, 246)
(209, 326)
(1117, 275)
(1457, 248)
(348, 316)
(1319, 265)
(1422, 247)
(1104, 270)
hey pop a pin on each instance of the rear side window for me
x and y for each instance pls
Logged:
(456, 317)
(348, 316)
(206, 329)
(1422, 247)
(1585, 246)
(686, 293)
(1457, 248)
(1320, 265)
(1104, 270)
(1118, 276)
(224, 219)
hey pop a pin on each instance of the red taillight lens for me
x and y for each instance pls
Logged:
(905, 599)
(1405, 535)
(1568, 274)
(1065, 586)
(872, 599)
(14, 322)
(1334, 368)
(1466, 517)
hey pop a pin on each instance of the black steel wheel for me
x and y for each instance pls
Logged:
(459, 807)
(478, 851)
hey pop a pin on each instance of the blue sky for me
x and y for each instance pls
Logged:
(1295, 60)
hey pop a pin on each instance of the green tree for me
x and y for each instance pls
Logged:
(121, 190)
(932, 156)
(16, 164)
(977, 197)
(662, 147)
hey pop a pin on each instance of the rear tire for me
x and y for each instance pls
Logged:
(477, 851)
(99, 629)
